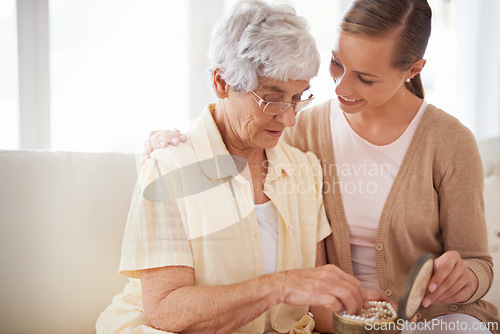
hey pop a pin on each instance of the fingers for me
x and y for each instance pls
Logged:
(330, 302)
(450, 287)
(171, 137)
(444, 279)
(325, 286)
(182, 137)
(163, 138)
(146, 152)
(459, 297)
(377, 295)
(160, 139)
(380, 295)
(452, 280)
(347, 289)
(349, 297)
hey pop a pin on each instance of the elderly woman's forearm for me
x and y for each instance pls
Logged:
(220, 309)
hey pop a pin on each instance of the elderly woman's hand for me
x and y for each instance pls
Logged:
(326, 286)
(379, 295)
(160, 139)
(169, 291)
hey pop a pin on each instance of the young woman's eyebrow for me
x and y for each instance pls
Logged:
(358, 72)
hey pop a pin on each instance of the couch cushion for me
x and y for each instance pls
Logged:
(490, 154)
(491, 202)
(489, 149)
(62, 216)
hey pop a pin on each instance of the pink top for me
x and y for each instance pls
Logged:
(366, 173)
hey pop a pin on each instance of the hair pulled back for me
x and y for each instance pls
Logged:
(411, 19)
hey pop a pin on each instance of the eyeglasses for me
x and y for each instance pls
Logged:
(276, 108)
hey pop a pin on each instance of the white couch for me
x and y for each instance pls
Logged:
(62, 217)
(490, 154)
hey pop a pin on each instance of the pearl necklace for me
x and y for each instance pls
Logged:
(378, 311)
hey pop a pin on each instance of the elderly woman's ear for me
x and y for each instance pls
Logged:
(220, 85)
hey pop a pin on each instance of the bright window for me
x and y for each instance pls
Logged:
(9, 114)
(439, 74)
(121, 68)
(117, 71)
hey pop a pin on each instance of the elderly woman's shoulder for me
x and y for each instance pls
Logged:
(174, 157)
(298, 157)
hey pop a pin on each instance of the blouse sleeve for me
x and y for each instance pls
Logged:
(461, 209)
(155, 235)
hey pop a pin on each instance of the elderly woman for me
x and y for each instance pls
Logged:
(225, 234)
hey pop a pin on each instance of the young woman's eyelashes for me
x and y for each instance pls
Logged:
(366, 82)
(336, 63)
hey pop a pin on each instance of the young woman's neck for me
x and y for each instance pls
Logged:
(400, 109)
(386, 123)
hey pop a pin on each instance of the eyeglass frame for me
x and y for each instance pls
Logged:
(261, 101)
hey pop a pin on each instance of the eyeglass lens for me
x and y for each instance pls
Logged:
(280, 107)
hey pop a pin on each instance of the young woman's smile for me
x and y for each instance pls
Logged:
(362, 70)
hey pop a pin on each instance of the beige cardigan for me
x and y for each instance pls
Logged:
(435, 205)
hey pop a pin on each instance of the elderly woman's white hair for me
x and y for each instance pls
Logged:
(261, 40)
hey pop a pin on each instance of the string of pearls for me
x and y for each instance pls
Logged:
(378, 311)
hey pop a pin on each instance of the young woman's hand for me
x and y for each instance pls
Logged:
(452, 281)
(160, 139)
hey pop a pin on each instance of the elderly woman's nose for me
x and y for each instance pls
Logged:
(287, 118)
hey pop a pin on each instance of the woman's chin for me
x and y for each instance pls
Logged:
(349, 109)
(269, 143)
(269, 139)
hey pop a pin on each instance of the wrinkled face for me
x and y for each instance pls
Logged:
(361, 68)
(252, 127)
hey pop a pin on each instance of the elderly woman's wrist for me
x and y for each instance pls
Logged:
(272, 288)
(278, 287)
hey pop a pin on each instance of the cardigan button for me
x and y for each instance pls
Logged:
(419, 316)
(388, 292)
(454, 308)
(379, 247)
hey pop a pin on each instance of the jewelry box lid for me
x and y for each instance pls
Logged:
(415, 286)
